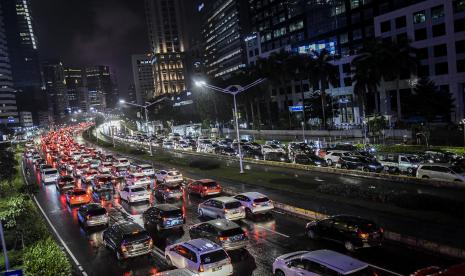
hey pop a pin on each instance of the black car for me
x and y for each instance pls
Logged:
(224, 232)
(103, 182)
(250, 152)
(127, 239)
(92, 214)
(163, 216)
(354, 162)
(276, 156)
(228, 151)
(310, 159)
(65, 183)
(352, 232)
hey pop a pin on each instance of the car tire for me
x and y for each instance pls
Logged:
(365, 169)
(349, 246)
(330, 162)
(279, 273)
(248, 213)
(425, 177)
(410, 171)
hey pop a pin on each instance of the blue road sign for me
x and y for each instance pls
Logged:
(295, 108)
(18, 272)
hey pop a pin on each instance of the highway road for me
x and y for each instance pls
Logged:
(270, 236)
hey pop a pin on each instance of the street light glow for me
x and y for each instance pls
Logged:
(122, 101)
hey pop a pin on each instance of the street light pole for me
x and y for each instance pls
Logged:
(237, 135)
(238, 89)
(5, 253)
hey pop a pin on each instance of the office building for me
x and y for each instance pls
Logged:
(166, 26)
(437, 29)
(226, 26)
(8, 109)
(131, 94)
(57, 97)
(143, 78)
(23, 52)
(102, 94)
(25, 119)
(74, 81)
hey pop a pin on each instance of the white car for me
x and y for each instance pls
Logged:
(122, 162)
(170, 176)
(222, 207)
(272, 148)
(105, 167)
(49, 175)
(319, 262)
(183, 145)
(80, 169)
(134, 194)
(146, 169)
(138, 180)
(333, 156)
(201, 255)
(255, 203)
(168, 145)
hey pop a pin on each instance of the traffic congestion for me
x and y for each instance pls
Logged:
(431, 164)
(148, 220)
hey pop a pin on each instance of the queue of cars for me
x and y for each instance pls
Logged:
(211, 240)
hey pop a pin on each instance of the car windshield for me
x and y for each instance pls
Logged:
(79, 193)
(67, 178)
(97, 211)
(232, 232)
(104, 179)
(173, 173)
(232, 205)
(50, 172)
(171, 213)
(261, 199)
(135, 236)
(457, 169)
(213, 257)
(136, 190)
(120, 169)
(210, 184)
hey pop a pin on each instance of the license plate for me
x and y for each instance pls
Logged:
(217, 268)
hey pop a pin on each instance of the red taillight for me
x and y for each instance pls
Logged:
(150, 243)
(123, 248)
(201, 268)
(363, 235)
(226, 210)
(72, 197)
(254, 204)
(223, 238)
(381, 230)
(205, 188)
(167, 190)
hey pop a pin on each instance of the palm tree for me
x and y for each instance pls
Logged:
(400, 60)
(323, 72)
(368, 71)
(275, 70)
(300, 66)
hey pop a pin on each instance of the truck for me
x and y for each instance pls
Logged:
(399, 163)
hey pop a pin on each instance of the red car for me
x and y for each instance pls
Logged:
(455, 270)
(204, 187)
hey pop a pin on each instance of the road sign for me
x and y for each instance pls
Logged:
(295, 108)
(18, 272)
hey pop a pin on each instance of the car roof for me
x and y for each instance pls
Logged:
(49, 169)
(336, 261)
(144, 165)
(253, 195)
(205, 180)
(128, 226)
(225, 199)
(166, 207)
(138, 174)
(223, 224)
(446, 165)
(202, 245)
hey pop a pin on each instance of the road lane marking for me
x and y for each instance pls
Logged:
(273, 231)
(53, 228)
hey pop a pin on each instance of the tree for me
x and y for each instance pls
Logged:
(400, 61)
(7, 165)
(428, 101)
(46, 258)
(323, 72)
(314, 107)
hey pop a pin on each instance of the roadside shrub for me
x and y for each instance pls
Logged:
(205, 164)
(46, 258)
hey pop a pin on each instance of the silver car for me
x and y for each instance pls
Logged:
(222, 207)
(439, 171)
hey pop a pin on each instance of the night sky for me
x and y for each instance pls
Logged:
(92, 32)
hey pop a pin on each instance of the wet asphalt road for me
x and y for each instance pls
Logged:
(270, 236)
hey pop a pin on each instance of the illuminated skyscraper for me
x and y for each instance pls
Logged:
(165, 21)
(143, 78)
